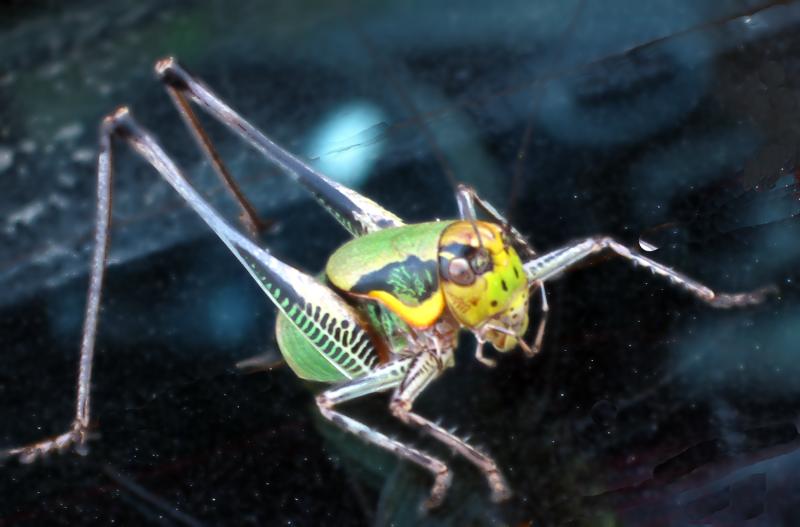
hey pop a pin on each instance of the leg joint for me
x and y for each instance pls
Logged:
(601, 241)
(400, 409)
(324, 402)
(172, 74)
(119, 122)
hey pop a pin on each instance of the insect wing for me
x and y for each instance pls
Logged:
(321, 336)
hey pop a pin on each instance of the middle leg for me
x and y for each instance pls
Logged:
(381, 379)
(425, 368)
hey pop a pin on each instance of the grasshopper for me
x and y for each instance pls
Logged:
(387, 312)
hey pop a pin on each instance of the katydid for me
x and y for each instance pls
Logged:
(388, 310)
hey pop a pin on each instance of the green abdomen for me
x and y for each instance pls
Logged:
(337, 363)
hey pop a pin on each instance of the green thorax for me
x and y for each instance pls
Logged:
(398, 267)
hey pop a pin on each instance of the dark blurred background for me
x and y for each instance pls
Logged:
(670, 124)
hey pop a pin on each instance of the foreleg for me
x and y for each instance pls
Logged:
(556, 262)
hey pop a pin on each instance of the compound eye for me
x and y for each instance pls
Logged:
(459, 272)
(480, 262)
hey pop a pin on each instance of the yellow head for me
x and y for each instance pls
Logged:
(483, 282)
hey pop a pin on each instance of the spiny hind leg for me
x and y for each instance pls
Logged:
(75, 437)
(358, 214)
(119, 124)
(383, 378)
(555, 262)
(424, 369)
(312, 306)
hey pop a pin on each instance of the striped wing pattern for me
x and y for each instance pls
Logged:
(330, 326)
(346, 347)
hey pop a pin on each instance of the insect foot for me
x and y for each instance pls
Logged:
(73, 439)
(500, 489)
(440, 486)
(726, 300)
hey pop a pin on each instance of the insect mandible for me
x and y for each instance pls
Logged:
(388, 310)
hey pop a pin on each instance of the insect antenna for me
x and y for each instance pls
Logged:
(477, 233)
(466, 210)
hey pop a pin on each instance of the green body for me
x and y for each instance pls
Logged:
(398, 263)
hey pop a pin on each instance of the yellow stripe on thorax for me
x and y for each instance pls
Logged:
(421, 316)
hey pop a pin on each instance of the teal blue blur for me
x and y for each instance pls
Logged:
(345, 145)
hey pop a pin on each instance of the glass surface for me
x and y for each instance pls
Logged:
(669, 124)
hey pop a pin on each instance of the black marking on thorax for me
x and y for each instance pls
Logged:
(412, 281)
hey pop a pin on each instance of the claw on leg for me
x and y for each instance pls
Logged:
(439, 490)
(500, 489)
(728, 300)
(73, 439)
